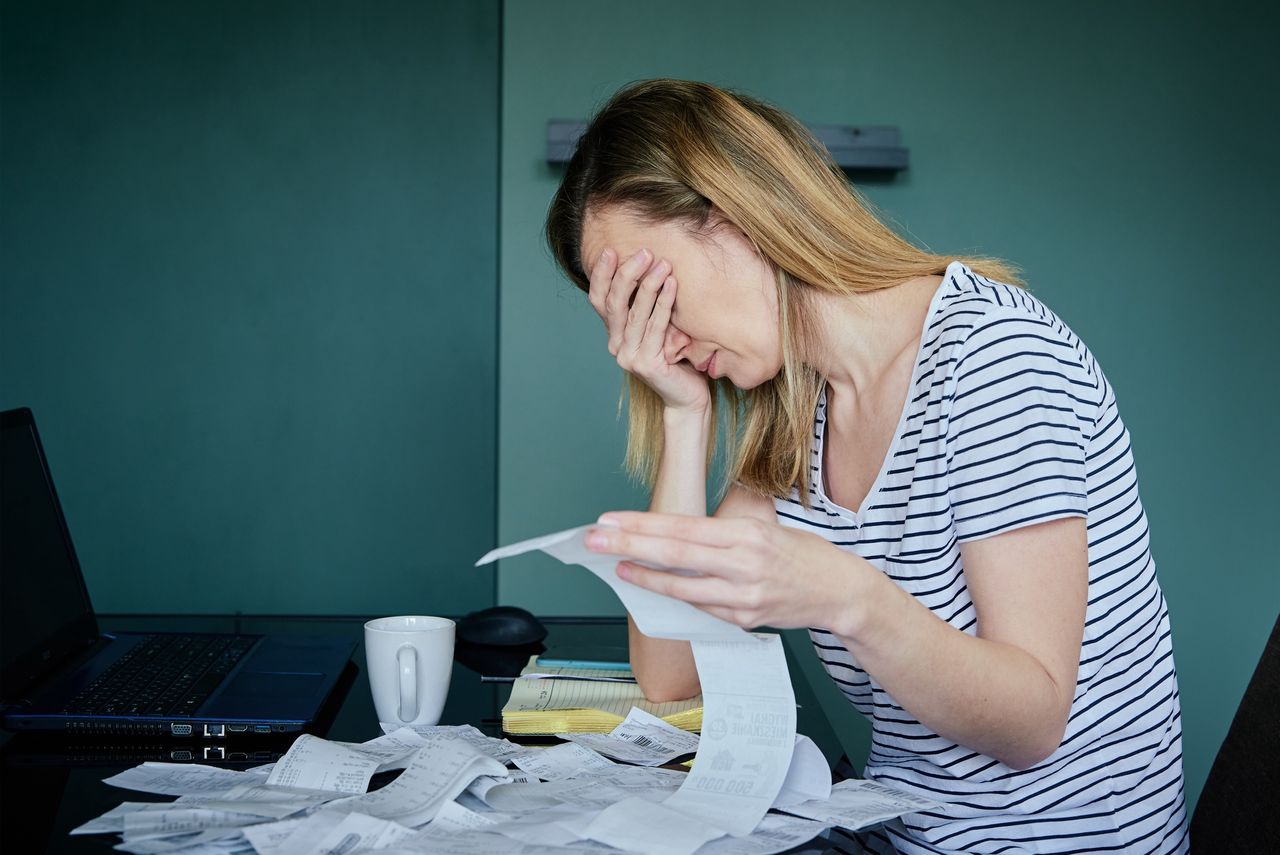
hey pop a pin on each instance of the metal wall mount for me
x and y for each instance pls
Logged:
(868, 147)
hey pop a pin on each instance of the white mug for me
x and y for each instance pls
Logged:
(410, 661)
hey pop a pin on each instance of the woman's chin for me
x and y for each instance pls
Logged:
(748, 383)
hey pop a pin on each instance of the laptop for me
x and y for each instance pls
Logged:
(58, 672)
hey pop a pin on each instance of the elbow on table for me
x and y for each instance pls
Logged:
(660, 689)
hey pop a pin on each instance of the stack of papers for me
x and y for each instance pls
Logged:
(541, 704)
(458, 793)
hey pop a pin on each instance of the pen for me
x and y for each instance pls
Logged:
(485, 678)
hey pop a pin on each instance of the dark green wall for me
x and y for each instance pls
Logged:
(249, 283)
(1121, 153)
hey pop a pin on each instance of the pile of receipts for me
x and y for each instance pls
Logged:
(756, 786)
(456, 793)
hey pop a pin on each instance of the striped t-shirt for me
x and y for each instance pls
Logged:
(1010, 422)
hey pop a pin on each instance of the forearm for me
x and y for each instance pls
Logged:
(989, 696)
(665, 669)
(681, 485)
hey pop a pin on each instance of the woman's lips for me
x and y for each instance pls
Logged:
(711, 364)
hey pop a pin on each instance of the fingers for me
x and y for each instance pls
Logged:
(641, 312)
(655, 332)
(618, 298)
(699, 590)
(601, 275)
(709, 531)
(666, 551)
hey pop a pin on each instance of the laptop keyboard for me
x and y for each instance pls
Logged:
(164, 675)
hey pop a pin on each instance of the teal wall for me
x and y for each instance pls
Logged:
(1121, 153)
(248, 287)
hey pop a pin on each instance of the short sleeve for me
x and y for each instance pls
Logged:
(1022, 412)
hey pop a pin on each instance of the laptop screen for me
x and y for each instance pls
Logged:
(46, 608)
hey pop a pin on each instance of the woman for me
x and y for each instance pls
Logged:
(927, 469)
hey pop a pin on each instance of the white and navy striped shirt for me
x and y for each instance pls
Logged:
(1011, 422)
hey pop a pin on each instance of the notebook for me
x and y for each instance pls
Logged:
(539, 706)
(59, 673)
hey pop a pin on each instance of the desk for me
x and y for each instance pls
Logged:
(50, 786)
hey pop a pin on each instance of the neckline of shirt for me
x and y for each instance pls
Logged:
(858, 518)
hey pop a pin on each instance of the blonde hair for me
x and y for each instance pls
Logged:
(672, 151)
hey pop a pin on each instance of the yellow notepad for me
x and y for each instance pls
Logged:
(585, 706)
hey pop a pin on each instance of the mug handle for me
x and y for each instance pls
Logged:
(407, 658)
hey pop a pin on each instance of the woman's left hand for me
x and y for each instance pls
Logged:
(753, 572)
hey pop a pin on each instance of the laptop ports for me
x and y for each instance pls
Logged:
(214, 730)
(180, 756)
(237, 728)
(180, 729)
(262, 728)
(214, 752)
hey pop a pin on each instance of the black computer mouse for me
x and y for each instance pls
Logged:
(501, 626)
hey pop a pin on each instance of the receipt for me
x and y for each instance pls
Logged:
(164, 823)
(498, 749)
(748, 733)
(113, 820)
(655, 615)
(639, 825)
(392, 750)
(437, 774)
(176, 779)
(642, 738)
(749, 709)
(568, 760)
(521, 798)
(808, 777)
(485, 783)
(207, 842)
(257, 799)
(359, 832)
(597, 790)
(454, 817)
(312, 763)
(775, 833)
(643, 777)
(293, 836)
(856, 803)
(555, 826)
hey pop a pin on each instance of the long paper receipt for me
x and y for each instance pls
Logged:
(749, 708)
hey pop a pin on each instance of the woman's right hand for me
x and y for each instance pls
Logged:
(640, 333)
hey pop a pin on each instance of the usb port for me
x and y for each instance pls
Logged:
(237, 728)
(262, 728)
(180, 729)
(213, 730)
